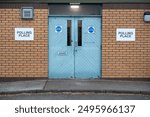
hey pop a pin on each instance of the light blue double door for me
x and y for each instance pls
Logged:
(74, 47)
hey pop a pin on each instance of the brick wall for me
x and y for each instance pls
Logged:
(125, 59)
(23, 58)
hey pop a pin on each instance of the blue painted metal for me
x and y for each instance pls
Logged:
(61, 57)
(81, 62)
(87, 57)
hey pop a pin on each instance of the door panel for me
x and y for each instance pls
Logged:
(87, 57)
(61, 55)
(74, 47)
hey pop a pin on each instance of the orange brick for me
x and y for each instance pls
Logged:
(129, 58)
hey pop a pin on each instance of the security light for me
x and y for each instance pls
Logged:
(147, 16)
(74, 5)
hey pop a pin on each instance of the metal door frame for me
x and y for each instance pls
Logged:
(77, 17)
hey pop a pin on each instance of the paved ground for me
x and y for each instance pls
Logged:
(74, 96)
(21, 86)
(100, 86)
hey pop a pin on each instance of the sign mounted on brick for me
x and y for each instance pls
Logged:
(24, 34)
(125, 34)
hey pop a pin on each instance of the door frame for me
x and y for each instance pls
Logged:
(74, 16)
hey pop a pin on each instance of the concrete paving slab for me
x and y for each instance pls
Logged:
(99, 86)
(21, 86)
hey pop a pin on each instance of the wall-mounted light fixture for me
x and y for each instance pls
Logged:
(27, 12)
(147, 16)
(74, 5)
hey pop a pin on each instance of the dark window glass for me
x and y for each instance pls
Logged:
(69, 40)
(79, 32)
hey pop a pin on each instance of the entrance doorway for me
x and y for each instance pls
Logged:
(74, 47)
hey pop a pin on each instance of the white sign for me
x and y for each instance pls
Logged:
(24, 33)
(125, 34)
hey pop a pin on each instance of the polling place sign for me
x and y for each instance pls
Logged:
(24, 33)
(125, 34)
